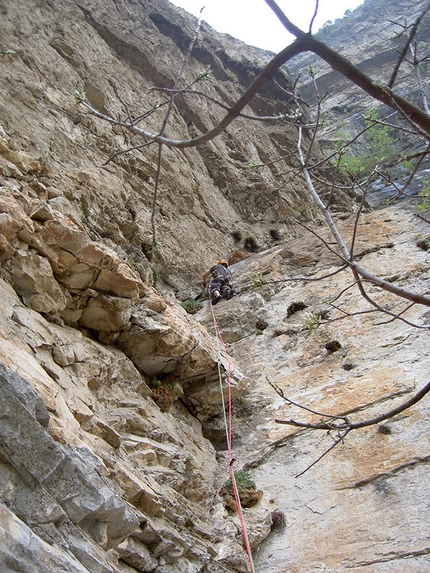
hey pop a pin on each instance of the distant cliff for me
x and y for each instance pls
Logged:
(372, 37)
(113, 450)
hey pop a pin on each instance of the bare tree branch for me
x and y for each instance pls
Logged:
(347, 425)
(408, 42)
(383, 94)
(339, 438)
(355, 267)
(306, 279)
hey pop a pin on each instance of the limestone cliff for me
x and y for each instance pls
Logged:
(372, 37)
(112, 450)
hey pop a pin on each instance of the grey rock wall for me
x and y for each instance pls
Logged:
(112, 445)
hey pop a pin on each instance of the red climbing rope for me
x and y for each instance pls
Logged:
(229, 434)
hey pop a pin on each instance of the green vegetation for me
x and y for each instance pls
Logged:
(254, 165)
(425, 195)
(149, 248)
(205, 75)
(329, 27)
(250, 244)
(156, 275)
(248, 493)
(243, 481)
(382, 147)
(190, 521)
(256, 282)
(313, 322)
(192, 306)
(423, 242)
(162, 394)
(80, 96)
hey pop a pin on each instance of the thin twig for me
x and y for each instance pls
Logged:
(408, 42)
(280, 392)
(363, 424)
(306, 279)
(339, 438)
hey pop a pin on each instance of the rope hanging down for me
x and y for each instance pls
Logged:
(228, 421)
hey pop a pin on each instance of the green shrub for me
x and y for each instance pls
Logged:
(248, 493)
(250, 244)
(243, 481)
(382, 147)
(192, 306)
(425, 195)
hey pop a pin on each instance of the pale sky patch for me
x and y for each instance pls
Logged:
(253, 22)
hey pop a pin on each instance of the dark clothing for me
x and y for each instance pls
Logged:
(220, 285)
(221, 274)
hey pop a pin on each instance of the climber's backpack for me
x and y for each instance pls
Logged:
(221, 274)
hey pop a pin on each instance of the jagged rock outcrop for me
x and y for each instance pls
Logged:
(112, 449)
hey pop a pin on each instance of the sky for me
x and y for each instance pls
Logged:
(253, 22)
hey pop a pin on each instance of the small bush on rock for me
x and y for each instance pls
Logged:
(192, 306)
(248, 493)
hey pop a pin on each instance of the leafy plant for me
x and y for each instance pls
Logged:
(192, 306)
(248, 493)
(381, 147)
(205, 75)
(425, 194)
(313, 322)
(243, 481)
(154, 383)
(80, 96)
(250, 244)
(256, 282)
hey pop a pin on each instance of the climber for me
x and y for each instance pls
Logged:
(220, 284)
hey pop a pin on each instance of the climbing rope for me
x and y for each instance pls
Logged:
(228, 422)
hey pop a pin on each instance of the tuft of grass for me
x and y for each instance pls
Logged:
(313, 322)
(256, 282)
(192, 306)
(250, 244)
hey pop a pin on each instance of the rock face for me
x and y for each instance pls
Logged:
(113, 449)
(138, 46)
(352, 510)
(380, 29)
